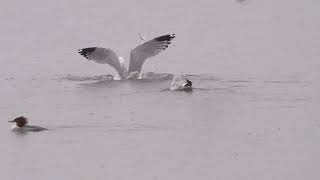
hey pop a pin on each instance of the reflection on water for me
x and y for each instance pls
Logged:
(86, 78)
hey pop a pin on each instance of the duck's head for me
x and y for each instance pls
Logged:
(20, 121)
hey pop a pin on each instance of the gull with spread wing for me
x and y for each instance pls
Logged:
(138, 56)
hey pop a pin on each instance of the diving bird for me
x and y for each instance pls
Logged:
(180, 83)
(138, 56)
(188, 83)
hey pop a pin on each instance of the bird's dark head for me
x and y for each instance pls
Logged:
(189, 83)
(20, 121)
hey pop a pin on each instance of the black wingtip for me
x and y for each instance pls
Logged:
(86, 51)
(168, 37)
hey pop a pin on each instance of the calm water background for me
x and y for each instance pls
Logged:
(254, 113)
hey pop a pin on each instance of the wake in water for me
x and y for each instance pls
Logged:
(153, 82)
(148, 76)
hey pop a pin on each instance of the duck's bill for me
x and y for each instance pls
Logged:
(11, 121)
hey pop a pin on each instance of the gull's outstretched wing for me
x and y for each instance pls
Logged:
(148, 49)
(103, 56)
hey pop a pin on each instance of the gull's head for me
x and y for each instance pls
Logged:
(141, 37)
(20, 121)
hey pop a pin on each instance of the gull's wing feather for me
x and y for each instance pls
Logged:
(148, 49)
(103, 56)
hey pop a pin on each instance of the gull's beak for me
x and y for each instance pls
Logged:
(11, 121)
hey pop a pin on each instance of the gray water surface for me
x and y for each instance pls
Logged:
(253, 113)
